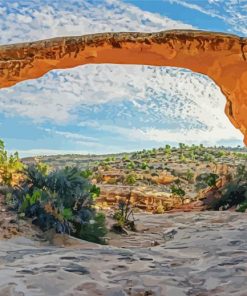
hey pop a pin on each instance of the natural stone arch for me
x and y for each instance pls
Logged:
(221, 57)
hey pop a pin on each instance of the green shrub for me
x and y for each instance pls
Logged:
(125, 158)
(95, 230)
(130, 179)
(233, 194)
(242, 207)
(211, 179)
(86, 173)
(95, 191)
(30, 200)
(208, 157)
(107, 159)
(189, 175)
(205, 180)
(182, 158)
(177, 190)
(220, 154)
(124, 216)
(130, 165)
(168, 150)
(9, 165)
(62, 200)
(241, 173)
(144, 166)
(191, 155)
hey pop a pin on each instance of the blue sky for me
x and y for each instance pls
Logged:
(176, 11)
(113, 108)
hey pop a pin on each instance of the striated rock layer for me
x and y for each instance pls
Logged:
(220, 56)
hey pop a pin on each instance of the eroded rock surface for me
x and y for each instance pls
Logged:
(141, 197)
(173, 254)
(220, 56)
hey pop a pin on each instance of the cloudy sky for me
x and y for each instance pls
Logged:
(113, 108)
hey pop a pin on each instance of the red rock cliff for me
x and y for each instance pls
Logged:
(220, 56)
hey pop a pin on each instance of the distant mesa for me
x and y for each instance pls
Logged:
(221, 57)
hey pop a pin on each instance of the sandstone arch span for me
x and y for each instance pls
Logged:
(220, 56)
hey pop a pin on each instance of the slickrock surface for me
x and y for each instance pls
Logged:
(220, 56)
(197, 254)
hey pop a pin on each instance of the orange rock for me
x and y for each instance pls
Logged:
(220, 56)
(164, 179)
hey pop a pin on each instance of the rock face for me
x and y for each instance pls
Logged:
(141, 197)
(220, 56)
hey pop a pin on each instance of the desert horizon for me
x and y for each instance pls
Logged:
(123, 158)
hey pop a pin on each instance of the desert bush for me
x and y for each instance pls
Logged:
(124, 216)
(176, 189)
(95, 230)
(130, 179)
(206, 180)
(130, 165)
(233, 194)
(62, 200)
(10, 166)
(99, 177)
(168, 150)
(242, 207)
(182, 158)
(182, 146)
(191, 155)
(125, 158)
(189, 175)
(211, 179)
(220, 154)
(86, 174)
(241, 173)
(144, 165)
(240, 155)
(208, 157)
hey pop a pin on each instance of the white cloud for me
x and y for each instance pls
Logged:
(64, 91)
(45, 151)
(72, 136)
(158, 93)
(192, 136)
(200, 8)
(83, 149)
(28, 21)
(232, 12)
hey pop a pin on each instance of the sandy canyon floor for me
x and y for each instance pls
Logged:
(197, 253)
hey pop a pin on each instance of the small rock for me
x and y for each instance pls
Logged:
(169, 234)
(14, 231)
(154, 243)
(186, 201)
(7, 236)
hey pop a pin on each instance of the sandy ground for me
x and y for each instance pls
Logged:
(196, 254)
